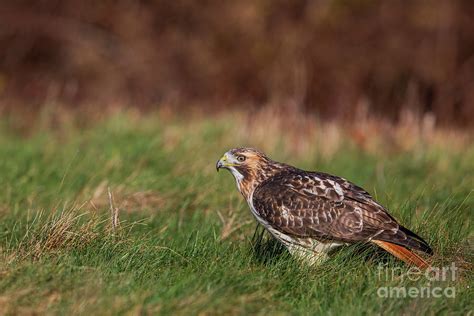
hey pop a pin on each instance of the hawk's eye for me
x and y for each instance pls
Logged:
(241, 158)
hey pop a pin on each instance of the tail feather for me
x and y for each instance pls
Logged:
(405, 238)
(403, 254)
(418, 242)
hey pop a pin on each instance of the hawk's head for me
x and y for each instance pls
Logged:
(249, 167)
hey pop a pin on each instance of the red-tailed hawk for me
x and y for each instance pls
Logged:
(311, 212)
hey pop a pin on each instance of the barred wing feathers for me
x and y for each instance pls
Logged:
(327, 208)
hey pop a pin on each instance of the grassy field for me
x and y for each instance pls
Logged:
(183, 243)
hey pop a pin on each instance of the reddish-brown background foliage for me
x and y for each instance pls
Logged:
(332, 57)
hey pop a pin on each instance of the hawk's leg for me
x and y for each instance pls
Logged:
(307, 250)
(307, 255)
(311, 251)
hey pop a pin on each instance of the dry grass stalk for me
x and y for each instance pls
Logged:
(114, 211)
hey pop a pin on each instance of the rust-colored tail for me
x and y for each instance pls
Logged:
(403, 254)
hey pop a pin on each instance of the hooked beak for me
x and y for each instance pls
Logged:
(224, 162)
(219, 165)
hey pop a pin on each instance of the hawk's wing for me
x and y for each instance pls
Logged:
(326, 207)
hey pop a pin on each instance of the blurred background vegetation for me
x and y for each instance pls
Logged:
(336, 58)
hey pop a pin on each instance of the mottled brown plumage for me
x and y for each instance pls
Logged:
(311, 212)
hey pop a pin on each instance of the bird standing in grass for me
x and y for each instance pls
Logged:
(312, 212)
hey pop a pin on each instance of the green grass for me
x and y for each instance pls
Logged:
(175, 250)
